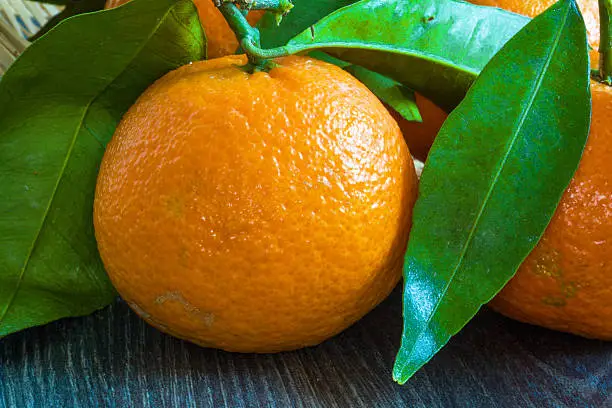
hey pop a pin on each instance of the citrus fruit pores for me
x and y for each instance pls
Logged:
(220, 39)
(566, 282)
(255, 212)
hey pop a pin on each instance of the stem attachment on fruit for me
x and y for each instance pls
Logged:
(249, 36)
(605, 44)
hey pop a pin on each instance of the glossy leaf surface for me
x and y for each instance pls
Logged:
(436, 47)
(493, 180)
(303, 14)
(59, 105)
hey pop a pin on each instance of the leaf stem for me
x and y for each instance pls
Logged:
(605, 43)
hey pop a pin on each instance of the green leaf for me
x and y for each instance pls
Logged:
(72, 8)
(436, 47)
(58, 2)
(303, 14)
(59, 105)
(394, 94)
(493, 179)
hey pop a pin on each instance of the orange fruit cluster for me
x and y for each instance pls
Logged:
(252, 268)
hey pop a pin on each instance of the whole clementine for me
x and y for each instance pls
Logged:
(220, 39)
(420, 136)
(566, 282)
(255, 212)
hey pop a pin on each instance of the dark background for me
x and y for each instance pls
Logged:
(114, 359)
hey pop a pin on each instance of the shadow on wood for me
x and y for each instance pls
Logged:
(114, 359)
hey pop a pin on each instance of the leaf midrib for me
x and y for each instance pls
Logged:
(520, 124)
(68, 155)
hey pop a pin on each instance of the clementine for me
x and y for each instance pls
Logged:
(220, 39)
(255, 212)
(566, 282)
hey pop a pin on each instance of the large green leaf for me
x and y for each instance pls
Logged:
(493, 179)
(436, 47)
(306, 13)
(59, 105)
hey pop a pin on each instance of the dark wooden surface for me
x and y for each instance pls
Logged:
(113, 359)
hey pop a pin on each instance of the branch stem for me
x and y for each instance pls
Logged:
(277, 6)
(605, 43)
(241, 27)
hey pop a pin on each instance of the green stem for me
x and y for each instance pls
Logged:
(252, 48)
(241, 27)
(276, 6)
(605, 43)
(249, 36)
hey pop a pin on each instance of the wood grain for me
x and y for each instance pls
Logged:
(113, 359)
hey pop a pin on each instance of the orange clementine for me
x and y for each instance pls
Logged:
(566, 282)
(219, 36)
(255, 212)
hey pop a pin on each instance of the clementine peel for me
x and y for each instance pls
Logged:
(255, 212)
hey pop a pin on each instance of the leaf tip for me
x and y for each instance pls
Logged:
(401, 373)
(401, 369)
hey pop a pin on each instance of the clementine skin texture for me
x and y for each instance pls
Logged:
(255, 212)
(220, 39)
(566, 282)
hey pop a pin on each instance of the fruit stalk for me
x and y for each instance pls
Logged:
(241, 28)
(238, 22)
(605, 45)
(276, 6)
(249, 36)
